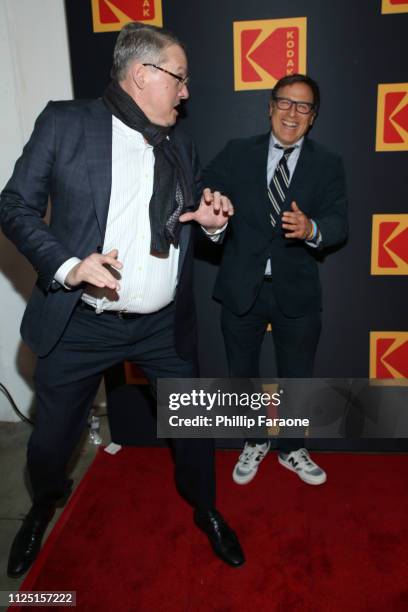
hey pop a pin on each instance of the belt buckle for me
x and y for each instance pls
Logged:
(121, 314)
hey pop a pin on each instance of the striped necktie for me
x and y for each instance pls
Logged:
(279, 185)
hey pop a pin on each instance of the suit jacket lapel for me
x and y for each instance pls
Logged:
(258, 213)
(301, 176)
(98, 144)
(185, 237)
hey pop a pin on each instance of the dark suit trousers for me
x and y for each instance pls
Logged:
(295, 341)
(67, 380)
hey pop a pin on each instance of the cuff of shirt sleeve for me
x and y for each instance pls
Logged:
(63, 271)
(215, 236)
(316, 239)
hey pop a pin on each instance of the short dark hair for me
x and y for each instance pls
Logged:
(291, 79)
(137, 41)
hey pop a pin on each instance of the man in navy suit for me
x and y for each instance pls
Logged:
(114, 266)
(289, 199)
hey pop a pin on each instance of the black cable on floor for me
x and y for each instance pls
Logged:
(14, 405)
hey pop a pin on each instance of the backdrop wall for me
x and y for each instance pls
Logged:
(357, 53)
(34, 65)
(349, 48)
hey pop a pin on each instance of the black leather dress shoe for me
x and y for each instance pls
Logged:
(222, 538)
(27, 543)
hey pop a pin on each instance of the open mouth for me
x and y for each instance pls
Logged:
(290, 124)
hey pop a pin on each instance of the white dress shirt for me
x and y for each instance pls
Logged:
(274, 155)
(148, 282)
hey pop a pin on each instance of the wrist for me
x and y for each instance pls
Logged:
(312, 231)
(71, 279)
(214, 231)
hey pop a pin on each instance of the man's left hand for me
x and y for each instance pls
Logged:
(213, 212)
(298, 225)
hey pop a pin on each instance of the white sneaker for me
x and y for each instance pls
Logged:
(299, 461)
(248, 462)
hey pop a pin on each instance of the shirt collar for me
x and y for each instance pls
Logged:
(129, 132)
(274, 141)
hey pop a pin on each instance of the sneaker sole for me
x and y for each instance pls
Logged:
(306, 479)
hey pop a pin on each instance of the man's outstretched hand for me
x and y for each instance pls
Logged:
(93, 270)
(296, 223)
(213, 212)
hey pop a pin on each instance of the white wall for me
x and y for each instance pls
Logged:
(34, 68)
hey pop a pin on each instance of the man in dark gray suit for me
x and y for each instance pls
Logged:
(114, 266)
(289, 198)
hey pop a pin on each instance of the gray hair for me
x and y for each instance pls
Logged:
(140, 42)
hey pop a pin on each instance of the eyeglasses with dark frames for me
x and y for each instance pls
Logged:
(304, 108)
(181, 80)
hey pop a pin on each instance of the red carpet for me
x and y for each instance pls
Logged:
(126, 541)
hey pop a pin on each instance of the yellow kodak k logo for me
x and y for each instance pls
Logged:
(266, 50)
(111, 15)
(389, 247)
(394, 6)
(389, 355)
(392, 117)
